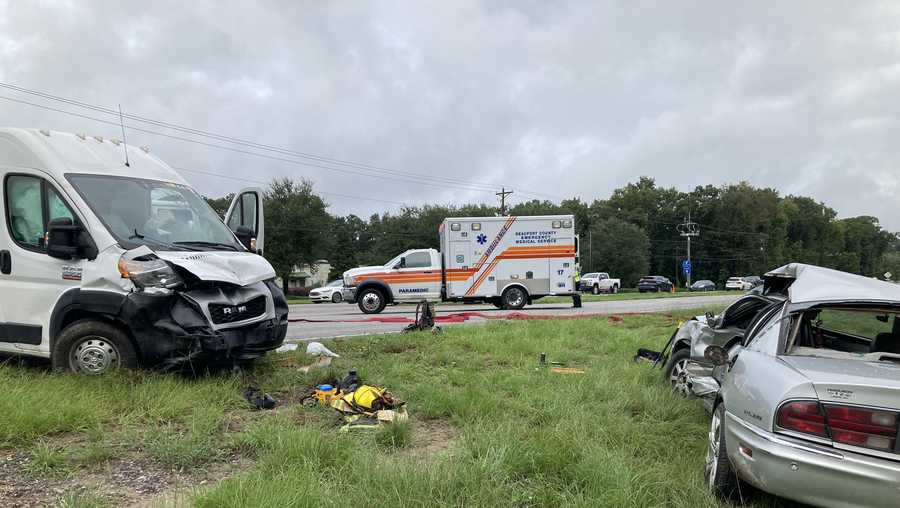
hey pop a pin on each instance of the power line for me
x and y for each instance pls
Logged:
(483, 186)
(260, 182)
(236, 150)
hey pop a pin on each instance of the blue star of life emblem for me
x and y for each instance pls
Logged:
(481, 239)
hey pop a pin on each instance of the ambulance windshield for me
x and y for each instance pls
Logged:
(160, 215)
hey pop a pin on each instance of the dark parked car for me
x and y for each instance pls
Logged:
(703, 285)
(654, 283)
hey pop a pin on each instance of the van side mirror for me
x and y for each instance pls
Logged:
(245, 236)
(63, 239)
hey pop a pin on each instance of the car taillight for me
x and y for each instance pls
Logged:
(802, 416)
(868, 428)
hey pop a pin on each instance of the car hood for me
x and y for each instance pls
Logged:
(851, 381)
(239, 268)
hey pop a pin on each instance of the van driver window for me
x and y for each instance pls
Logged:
(24, 211)
(56, 207)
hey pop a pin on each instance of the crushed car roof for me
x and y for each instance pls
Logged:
(809, 284)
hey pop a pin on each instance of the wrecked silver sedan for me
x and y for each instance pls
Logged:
(685, 368)
(809, 403)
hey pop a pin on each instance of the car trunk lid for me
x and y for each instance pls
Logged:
(863, 381)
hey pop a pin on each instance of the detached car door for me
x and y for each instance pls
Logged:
(245, 217)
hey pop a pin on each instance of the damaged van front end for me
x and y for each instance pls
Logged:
(201, 307)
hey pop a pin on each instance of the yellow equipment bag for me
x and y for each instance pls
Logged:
(365, 399)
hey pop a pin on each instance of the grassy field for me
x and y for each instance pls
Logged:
(488, 428)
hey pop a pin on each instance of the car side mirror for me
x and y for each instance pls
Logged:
(63, 239)
(716, 355)
(245, 236)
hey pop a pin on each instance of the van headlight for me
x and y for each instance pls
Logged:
(149, 273)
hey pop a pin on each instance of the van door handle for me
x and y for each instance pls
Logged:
(429, 271)
(5, 262)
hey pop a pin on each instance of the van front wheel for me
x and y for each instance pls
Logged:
(93, 347)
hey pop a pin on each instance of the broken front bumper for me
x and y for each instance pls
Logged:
(175, 329)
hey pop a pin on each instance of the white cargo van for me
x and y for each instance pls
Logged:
(507, 261)
(106, 265)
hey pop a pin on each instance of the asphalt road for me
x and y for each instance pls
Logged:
(339, 320)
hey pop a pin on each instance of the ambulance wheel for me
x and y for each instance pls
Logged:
(93, 347)
(514, 298)
(371, 301)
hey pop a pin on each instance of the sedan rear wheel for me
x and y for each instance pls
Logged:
(720, 476)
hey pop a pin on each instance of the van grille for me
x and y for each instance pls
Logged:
(222, 314)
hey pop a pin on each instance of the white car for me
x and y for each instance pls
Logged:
(330, 292)
(737, 283)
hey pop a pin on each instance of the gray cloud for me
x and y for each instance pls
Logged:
(569, 98)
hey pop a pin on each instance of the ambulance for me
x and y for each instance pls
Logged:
(506, 261)
(108, 258)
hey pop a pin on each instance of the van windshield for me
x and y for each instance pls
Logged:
(160, 215)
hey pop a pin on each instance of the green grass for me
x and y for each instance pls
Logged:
(524, 436)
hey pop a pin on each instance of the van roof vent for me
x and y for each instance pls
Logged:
(99, 138)
(81, 136)
(45, 132)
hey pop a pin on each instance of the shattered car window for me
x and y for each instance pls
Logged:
(859, 332)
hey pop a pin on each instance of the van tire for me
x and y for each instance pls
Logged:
(371, 300)
(110, 348)
(514, 298)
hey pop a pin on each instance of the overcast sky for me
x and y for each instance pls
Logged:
(551, 98)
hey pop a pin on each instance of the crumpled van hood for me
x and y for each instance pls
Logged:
(239, 268)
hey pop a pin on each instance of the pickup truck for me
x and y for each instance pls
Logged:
(599, 282)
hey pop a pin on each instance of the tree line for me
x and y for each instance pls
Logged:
(743, 230)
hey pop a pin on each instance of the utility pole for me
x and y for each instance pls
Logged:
(591, 249)
(688, 229)
(503, 193)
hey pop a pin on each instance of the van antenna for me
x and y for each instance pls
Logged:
(124, 141)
